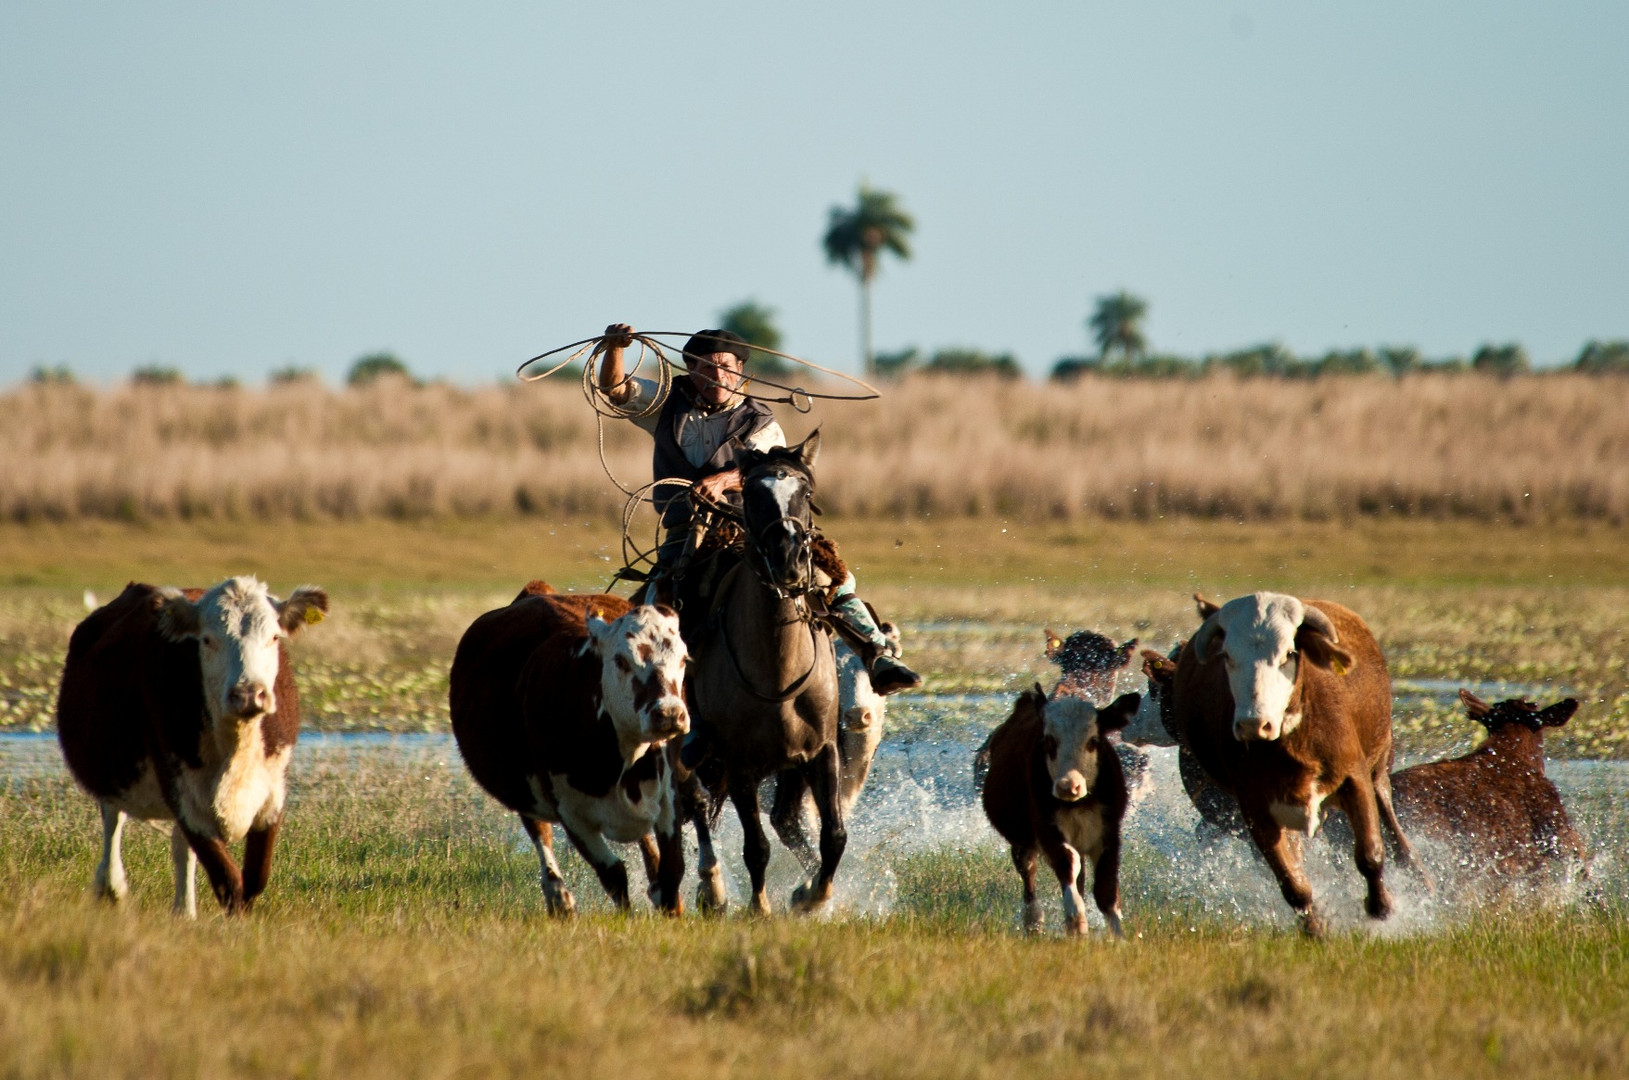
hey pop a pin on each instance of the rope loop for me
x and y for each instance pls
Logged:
(589, 351)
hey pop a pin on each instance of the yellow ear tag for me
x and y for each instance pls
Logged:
(1339, 666)
(313, 615)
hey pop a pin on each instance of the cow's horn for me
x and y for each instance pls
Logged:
(1320, 622)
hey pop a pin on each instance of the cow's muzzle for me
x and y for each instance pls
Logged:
(1070, 787)
(1255, 729)
(248, 700)
(667, 721)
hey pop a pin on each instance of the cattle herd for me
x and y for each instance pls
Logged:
(181, 706)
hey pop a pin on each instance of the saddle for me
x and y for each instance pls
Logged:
(720, 548)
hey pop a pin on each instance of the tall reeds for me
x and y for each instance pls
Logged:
(1538, 448)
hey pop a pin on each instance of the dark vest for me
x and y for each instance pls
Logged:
(668, 460)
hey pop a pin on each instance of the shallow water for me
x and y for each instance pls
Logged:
(920, 800)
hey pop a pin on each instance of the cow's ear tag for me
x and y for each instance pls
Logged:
(313, 615)
(1338, 665)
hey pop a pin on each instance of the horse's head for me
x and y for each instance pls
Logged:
(777, 504)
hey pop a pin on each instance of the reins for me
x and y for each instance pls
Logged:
(791, 691)
(760, 569)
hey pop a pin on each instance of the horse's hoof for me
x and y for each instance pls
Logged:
(709, 903)
(806, 899)
(710, 897)
(1076, 927)
(560, 903)
(1378, 902)
(760, 906)
(1313, 924)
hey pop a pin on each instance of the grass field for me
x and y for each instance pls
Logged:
(403, 933)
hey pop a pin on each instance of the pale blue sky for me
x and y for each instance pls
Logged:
(230, 188)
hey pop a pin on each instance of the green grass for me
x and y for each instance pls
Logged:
(403, 936)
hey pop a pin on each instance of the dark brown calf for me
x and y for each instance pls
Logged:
(1056, 788)
(1090, 664)
(1494, 807)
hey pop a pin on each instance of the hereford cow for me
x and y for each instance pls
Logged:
(1286, 703)
(860, 714)
(1052, 790)
(1494, 807)
(563, 707)
(1090, 663)
(180, 706)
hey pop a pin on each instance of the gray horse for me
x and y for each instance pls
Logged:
(763, 683)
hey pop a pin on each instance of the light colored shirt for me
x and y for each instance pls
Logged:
(700, 434)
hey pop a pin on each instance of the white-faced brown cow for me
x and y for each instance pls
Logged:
(1055, 788)
(564, 707)
(1494, 808)
(1287, 703)
(180, 706)
(860, 715)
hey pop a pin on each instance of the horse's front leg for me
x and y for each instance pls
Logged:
(692, 804)
(824, 781)
(755, 849)
(786, 815)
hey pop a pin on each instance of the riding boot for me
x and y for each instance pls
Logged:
(881, 654)
(890, 676)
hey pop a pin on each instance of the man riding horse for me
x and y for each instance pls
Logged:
(699, 430)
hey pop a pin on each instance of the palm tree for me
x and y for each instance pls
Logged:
(1117, 324)
(856, 237)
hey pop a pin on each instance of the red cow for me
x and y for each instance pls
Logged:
(1286, 703)
(180, 706)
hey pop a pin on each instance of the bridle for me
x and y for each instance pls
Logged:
(803, 535)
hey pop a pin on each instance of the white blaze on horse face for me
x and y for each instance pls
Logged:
(237, 627)
(642, 659)
(1071, 741)
(1259, 650)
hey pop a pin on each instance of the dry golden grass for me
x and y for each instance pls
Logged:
(1536, 448)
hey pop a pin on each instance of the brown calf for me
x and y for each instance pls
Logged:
(1494, 806)
(1053, 790)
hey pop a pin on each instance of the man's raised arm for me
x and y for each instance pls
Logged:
(614, 382)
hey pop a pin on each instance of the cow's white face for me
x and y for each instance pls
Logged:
(1072, 735)
(1255, 638)
(237, 625)
(859, 706)
(642, 660)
